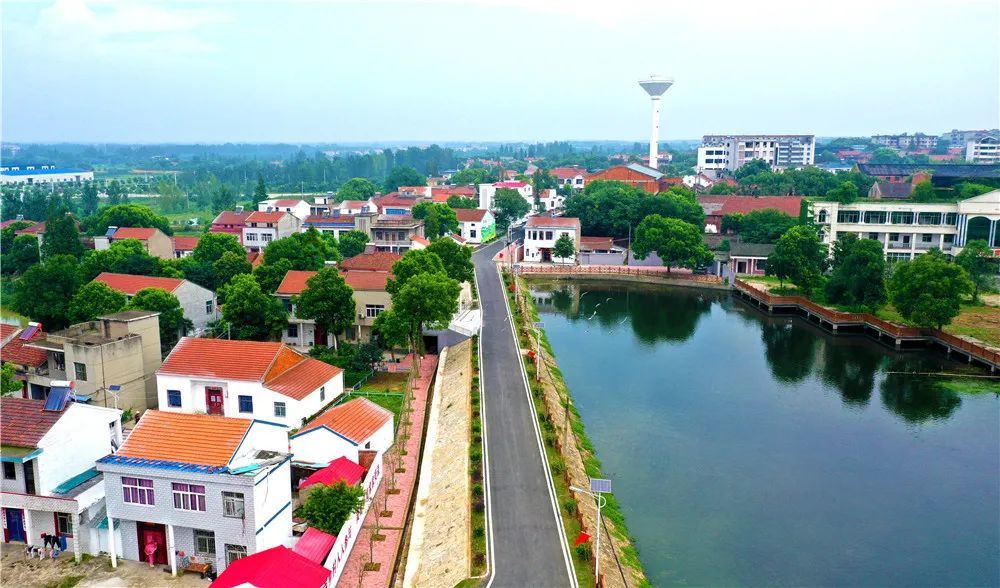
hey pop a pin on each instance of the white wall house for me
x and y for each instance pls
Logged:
(49, 485)
(731, 152)
(487, 192)
(476, 225)
(42, 174)
(246, 379)
(983, 150)
(198, 303)
(356, 206)
(300, 209)
(357, 425)
(260, 228)
(541, 234)
(549, 200)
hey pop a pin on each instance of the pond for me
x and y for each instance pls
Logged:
(754, 450)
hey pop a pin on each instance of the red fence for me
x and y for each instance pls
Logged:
(841, 318)
(617, 270)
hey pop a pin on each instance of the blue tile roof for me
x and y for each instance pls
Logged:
(162, 464)
(75, 481)
(37, 172)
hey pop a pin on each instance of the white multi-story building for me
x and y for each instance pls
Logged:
(298, 208)
(906, 142)
(42, 174)
(983, 150)
(260, 228)
(909, 229)
(541, 234)
(487, 192)
(731, 152)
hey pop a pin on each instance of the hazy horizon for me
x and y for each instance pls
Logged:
(488, 71)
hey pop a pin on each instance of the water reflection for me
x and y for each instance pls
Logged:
(789, 349)
(851, 366)
(918, 399)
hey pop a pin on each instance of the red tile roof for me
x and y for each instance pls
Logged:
(139, 233)
(303, 378)
(420, 240)
(32, 230)
(393, 201)
(596, 243)
(294, 282)
(354, 203)
(228, 217)
(255, 258)
(277, 567)
(356, 419)
(330, 218)
(367, 281)
(379, 261)
(7, 330)
(554, 221)
(23, 423)
(315, 545)
(341, 469)
(9, 222)
(129, 284)
(185, 243)
(169, 436)
(287, 202)
(565, 173)
(17, 353)
(723, 205)
(458, 238)
(470, 215)
(265, 217)
(510, 184)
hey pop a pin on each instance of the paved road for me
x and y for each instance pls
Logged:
(528, 546)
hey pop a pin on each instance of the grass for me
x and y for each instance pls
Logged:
(478, 541)
(67, 582)
(970, 385)
(387, 382)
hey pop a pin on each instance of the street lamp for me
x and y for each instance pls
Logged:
(598, 487)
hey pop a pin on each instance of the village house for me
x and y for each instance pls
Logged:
(260, 228)
(293, 206)
(197, 302)
(394, 205)
(213, 487)
(335, 223)
(111, 360)
(541, 234)
(357, 425)
(476, 225)
(246, 379)
(743, 259)
(488, 192)
(633, 174)
(443, 193)
(717, 207)
(389, 232)
(375, 261)
(230, 222)
(573, 177)
(50, 487)
(548, 200)
(28, 362)
(370, 300)
(154, 241)
(350, 207)
(184, 246)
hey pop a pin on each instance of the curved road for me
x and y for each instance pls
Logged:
(527, 542)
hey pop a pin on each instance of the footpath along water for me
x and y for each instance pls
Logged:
(756, 450)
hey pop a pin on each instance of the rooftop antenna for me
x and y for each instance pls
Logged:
(655, 86)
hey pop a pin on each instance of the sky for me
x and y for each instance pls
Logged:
(491, 70)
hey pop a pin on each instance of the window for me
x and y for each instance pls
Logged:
(949, 239)
(901, 218)
(60, 361)
(235, 552)
(174, 398)
(322, 393)
(849, 216)
(246, 403)
(189, 497)
(929, 218)
(81, 371)
(251, 236)
(472, 233)
(906, 239)
(951, 219)
(279, 409)
(9, 471)
(266, 237)
(875, 217)
(873, 236)
(548, 235)
(822, 217)
(293, 330)
(926, 238)
(209, 306)
(373, 310)
(232, 505)
(64, 524)
(138, 491)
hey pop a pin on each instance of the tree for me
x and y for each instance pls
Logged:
(61, 235)
(89, 200)
(212, 246)
(352, 243)
(269, 276)
(327, 508)
(328, 300)
(402, 175)
(21, 255)
(307, 251)
(7, 235)
(356, 189)
(456, 259)
(260, 191)
(439, 219)
(172, 198)
(127, 256)
(9, 384)
(116, 194)
(928, 290)
(968, 190)
(798, 256)
(564, 248)
(722, 189)
(508, 206)
(732, 222)
(391, 330)
(676, 242)
(223, 198)
(249, 312)
(751, 168)
(426, 299)
(414, 262)
(542, 180)
(886, 155)
(845, 193)
(126, 215)
(858, 277)
(44, 291)
(923, 192)
(230, 265)
(473, 175)
(979, 263)
(765, 226)
(93, 300)
(456, 201)
(172, 322)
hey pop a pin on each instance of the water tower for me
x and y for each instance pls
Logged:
(655, 86)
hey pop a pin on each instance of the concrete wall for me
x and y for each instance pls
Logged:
(193, 299)
(82, 436)
(160, 245)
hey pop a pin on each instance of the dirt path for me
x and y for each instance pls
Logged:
(94, 572)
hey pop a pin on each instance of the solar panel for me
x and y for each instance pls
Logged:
(57, 399)
(110, 232)
(29, 332)
(600, 485)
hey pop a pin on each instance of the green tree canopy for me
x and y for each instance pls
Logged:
(924, 192)
(328, 300)
(414, 262)
(457, 259)
(751, 168)
(352, 243)
(928, 290)
(305, 251)
(61, 235)
(676, 242)
(979, 263)
(722, 189)
(8, 233)
(212, 246)
(765, 226)
(456, 201)
(508, 206)
(968, 190)
(260, 191)
(89, 200)
(9, 384)
(327, 508)
(116, 194)
(473, 175)
(439, 219)
(230, 265)
(21, 255)
(127, 256)
(249, 312)
(173, 325)
(93, 300)
(564, 248)
(401, 175)
(44, 291)
(426, 299)
(845, 193)
(858, 277)
(798, 256)
(391, 330)
(269, 276)
(126, 215)
(356, 189)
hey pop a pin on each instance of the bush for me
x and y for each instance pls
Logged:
(557, 466)
(477, 489)
(569, 505)
(477, 427)
(476, 456)
(582, 552)
(478, 532)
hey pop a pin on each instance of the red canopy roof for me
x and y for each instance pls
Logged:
(315, 545)
(341, 469)
(278, 567)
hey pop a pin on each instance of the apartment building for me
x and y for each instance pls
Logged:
(731, 152)
(959, 137)
(488, 192)
(909, 229)
(906, 142)
(983, 150)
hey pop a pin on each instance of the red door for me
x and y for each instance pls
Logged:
(320, 338)
(149, 533)
(213, 400)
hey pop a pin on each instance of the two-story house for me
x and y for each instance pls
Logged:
(50, 487)
(154, 241)
(357, 425)
(300, 209)
(246, 379)
(334, 223)
(574, 177)
(541, 234)
(112, 360)
(231, 222)
(260, 228)
(476, 225)
(198, 303)
(370, 300)
(184, 246)
(393, 232)
(27, 361)
(214, 487)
